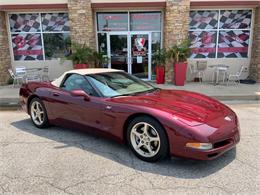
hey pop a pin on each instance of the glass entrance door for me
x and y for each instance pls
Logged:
(140, 55)
(118, 54)
(130, 52)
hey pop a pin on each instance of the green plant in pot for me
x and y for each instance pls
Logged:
(159, 58)
(179, 54)
(81, 55)
(99, 59)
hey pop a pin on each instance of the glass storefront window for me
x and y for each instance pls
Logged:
(233, 44)
(121, 40)
(220, 33)
(24, 22)
(27, 46)
(203, 44)
(28, 38)
(56, 45)
(156, 41)
(55, 22)
(235, 19)
(204, 19)
(150, 21)
(112, 21)
(156, 45)
(102, 43)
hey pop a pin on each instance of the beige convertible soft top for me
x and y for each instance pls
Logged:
(57, 82)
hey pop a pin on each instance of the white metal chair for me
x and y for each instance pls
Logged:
(45, 74)
(193, 71)
(235, 77)
(16, 78)
(201, 69)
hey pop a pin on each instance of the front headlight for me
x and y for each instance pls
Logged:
(200, 146)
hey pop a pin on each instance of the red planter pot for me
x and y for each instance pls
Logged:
(160, 70)
(180, 73)
(81, 66)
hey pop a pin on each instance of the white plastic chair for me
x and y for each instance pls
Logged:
(235, 77)
(16, 78)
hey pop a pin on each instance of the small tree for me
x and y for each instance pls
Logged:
(81, 54)
(159, 57)
(179, 52)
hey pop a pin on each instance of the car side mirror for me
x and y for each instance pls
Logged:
(80, 93)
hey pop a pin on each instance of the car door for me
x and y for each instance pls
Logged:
(112, 113)
(75, 112)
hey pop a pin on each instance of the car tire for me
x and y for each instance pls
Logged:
(38, 113)
(147, 139)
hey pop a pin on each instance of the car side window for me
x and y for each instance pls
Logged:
(75, 82)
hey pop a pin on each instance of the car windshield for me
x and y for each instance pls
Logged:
(113, 84)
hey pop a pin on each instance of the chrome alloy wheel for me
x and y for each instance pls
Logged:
(37, 113)
(145, 139)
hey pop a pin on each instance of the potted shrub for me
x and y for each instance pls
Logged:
(99, 59)
(159, 58)
(179, 54)
(81, 55)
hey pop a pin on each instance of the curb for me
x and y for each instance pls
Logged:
(9, 103)
(237, 97)
(13, 103)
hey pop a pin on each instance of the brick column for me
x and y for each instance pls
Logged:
(5, 59)
(176, 24)
(81, 22)
(255, 60)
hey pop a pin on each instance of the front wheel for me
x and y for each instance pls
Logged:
(147, 139)
(38, 113)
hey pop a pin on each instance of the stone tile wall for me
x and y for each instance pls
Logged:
(255, 60)
(176, 24)
(5, 59)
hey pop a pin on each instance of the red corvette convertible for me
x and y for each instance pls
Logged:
(154, 123)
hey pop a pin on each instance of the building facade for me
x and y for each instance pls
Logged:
(37, 34)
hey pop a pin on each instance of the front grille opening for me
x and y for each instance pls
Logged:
(212, 155)
(222, 143)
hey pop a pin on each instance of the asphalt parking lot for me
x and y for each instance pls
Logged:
(62, 161)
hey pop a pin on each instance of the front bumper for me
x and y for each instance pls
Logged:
(219, 148)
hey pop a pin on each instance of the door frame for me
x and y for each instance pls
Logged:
(129, 49)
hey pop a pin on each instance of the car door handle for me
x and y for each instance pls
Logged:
(56, 94)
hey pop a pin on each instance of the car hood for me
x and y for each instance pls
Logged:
(188, 107)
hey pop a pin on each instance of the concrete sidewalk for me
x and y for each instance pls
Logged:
(9, 96)
(220, 92)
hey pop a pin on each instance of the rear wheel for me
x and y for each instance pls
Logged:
(38, 113)
(147, 139)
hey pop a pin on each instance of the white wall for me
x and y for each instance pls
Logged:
(234, 66)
